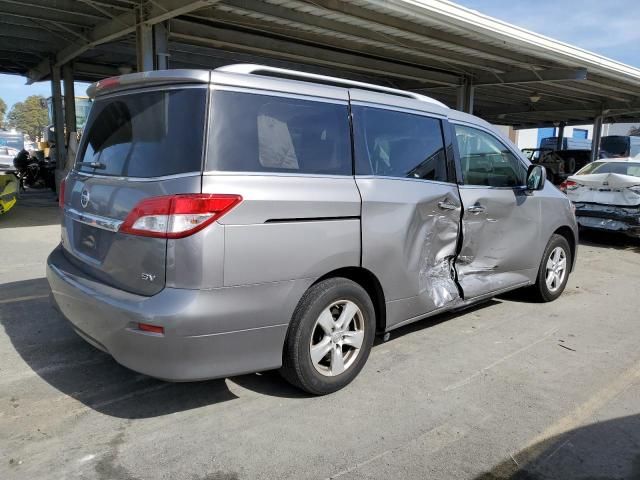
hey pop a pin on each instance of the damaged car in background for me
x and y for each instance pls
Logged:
(606, 195)
(252, 218)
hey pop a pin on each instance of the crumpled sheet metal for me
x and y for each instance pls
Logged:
(608, 217)
(439, 281)
(436, 273)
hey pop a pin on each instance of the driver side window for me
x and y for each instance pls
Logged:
(486, 161)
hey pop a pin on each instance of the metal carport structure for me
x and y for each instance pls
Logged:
(500, 72)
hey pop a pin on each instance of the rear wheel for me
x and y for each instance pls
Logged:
(554, 269)
(330, 336)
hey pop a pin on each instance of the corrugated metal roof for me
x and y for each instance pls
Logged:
(430, 46)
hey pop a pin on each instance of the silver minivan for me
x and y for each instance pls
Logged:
(253, 218)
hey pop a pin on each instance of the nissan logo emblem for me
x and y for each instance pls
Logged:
(84, 198)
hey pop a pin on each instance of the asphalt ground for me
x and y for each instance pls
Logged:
(509, 389)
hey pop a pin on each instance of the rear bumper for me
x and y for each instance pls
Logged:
(609, 217)
(207, 333)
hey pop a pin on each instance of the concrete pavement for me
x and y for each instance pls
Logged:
(511, 389)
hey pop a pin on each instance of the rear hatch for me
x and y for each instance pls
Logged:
(138, 144)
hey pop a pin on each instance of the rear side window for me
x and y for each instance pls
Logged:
(486, 161)
(262, 133)
(397, 144)
(145, 134)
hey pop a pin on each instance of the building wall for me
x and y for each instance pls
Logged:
(528, 138)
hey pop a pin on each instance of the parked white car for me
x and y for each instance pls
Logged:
(606, 195)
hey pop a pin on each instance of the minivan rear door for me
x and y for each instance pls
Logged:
(410, 206)
(137, 144)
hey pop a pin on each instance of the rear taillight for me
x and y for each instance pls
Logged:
(61, 194)
(177, 216)
(568, 185)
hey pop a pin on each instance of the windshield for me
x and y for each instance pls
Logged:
(145, 134)
(615, 146)
(623, 168)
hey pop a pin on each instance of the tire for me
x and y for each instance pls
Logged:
(317, 324)
(558, 248)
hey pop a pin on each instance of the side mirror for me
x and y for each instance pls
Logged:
(536, 177)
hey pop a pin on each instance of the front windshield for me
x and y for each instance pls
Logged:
(623, 168)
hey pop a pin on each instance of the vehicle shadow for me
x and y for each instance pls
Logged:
(430, 322)
(600, 451)
(51, 349)
(618, 241)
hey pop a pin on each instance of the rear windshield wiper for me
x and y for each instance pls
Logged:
(97, 165)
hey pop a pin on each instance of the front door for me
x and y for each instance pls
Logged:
(500, 217)
(410, 209)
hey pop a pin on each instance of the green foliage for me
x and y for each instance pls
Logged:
(29, 116)
(3, 110)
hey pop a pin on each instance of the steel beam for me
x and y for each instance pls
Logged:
(144, 41)
(234, 40)
(69, 101)
(370, 11)
(531, 76)
(161, 46)
(597, 133)
(330, 31)
(123, 24)
(58, 117)
(465, 95)
(560, 136)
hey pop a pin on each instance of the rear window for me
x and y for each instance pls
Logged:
(263, 133)
(623, 168)
(145, 134)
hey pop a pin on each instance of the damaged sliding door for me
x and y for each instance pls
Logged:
(410, 209)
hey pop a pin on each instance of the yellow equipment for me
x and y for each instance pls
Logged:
(9, 185)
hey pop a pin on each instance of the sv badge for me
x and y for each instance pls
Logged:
(147, 277)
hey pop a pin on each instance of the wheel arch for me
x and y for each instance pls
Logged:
(367, 280)
(569, 235)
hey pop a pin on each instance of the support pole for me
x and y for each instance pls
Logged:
(597, 133)
(465, 96)
(161, 46)
(69, 100)
(58, 116)
(58, 125)
(144, 41)
(560, 137)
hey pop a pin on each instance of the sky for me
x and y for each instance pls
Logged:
(608, 27)
(13, 89)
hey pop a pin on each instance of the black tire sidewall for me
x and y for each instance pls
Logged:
(317, 298)
(545, 294)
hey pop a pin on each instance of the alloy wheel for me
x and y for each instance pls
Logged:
(337, 338)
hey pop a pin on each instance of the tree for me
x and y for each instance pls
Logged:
(3, 110)
(29, 116)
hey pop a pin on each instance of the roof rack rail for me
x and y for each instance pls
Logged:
(254, 69)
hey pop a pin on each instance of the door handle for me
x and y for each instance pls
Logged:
(447, 206)
(476, 209)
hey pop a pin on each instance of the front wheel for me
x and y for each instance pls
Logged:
(554, 269)
(330, 336)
